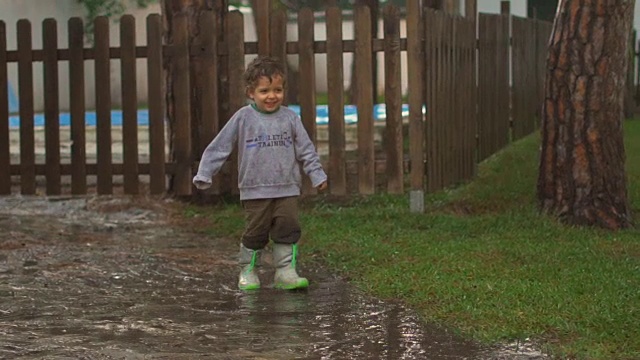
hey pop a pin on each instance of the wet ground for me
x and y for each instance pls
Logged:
(119, 278)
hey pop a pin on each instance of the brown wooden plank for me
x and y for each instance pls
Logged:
(504, 99)
(393, 97)
(237, 94)
(278, 23)
(437, 119)
(472, 122)
(440, 111)
(77, 106)
(103, 105)
(209, 74)
(486, 61)
(25, 93)
(364, 59)
(129, 90)
(51, 105)
(453, 125)
(452, 105)
(155, 76)
(335, 87)
(517, 52)
(307, 93)
(262, 16)
(430, 82)
(209, 110)
(448, 150)
(5, 144)
(415, 60)
(182, 93)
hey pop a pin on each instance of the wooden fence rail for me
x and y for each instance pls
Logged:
(463, 104)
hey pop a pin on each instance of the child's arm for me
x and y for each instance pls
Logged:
(216, 154)
(306, 153)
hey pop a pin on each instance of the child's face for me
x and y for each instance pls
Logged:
(268, 95)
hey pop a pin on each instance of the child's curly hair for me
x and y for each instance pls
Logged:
(266, 66)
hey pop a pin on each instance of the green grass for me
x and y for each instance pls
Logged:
(484, 262)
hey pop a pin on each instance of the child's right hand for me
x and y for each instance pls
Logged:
(322, 186)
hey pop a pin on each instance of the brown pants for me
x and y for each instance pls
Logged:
(270, 218)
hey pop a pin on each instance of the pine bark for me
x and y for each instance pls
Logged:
(582, 161)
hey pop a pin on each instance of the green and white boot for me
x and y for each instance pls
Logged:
(285, 258)
(248, 259)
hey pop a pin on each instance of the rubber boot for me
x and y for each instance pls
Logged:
(248, 260)
(286, 277)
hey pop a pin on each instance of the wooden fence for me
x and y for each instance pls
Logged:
(473, 106)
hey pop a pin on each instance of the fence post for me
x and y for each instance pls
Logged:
(415, 61)
(206, 41)
(182, 95)
(155, 69)
(393, 97)
(335, 65)
(262, 16)
(364, 57)
(236, 94)
(307, 93)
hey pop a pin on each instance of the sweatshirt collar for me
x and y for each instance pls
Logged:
(253, 105)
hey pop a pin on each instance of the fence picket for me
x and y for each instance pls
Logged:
(208, 83)
(182, 93)
(237, 95)
(51, 105)
(335, 80)
(471, 94)
(415, 60)
(129, 103)
(485, 92)
(307, 93)
(5, 144)
(103, 105)
(504, 91)
(393, 94)
(278, 38)
(363, 57)
(77, 107)
(155, 76)
(25, 92)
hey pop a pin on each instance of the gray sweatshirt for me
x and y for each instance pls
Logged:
(270, 148)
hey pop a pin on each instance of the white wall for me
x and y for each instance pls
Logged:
(61, 10)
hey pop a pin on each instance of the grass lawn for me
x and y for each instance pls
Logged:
(483, 261)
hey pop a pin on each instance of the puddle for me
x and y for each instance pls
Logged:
(109, 278)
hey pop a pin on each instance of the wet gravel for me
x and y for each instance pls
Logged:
(116, 278)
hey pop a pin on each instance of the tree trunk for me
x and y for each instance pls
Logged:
(193, 9)
(581, 175)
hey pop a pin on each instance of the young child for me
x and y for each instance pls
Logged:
(271, 144)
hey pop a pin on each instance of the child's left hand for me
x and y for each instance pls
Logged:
(322, 186)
